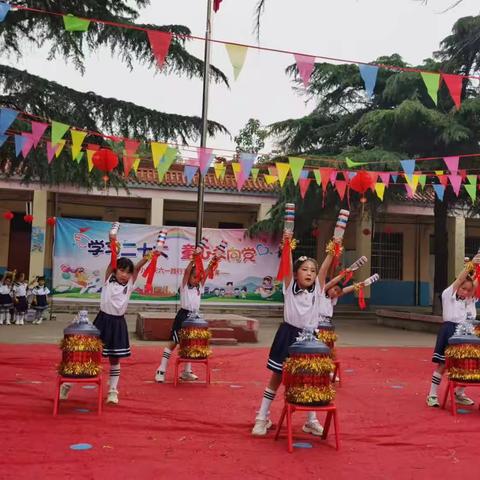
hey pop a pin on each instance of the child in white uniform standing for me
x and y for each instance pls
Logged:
(40, 299)
(6, 301)
(20, 288)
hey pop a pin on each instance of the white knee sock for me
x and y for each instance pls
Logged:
(114, 376)
(268, 398)
(312, 417)
(187, 368)
(460, 391)
(436, 379)
(165, 358)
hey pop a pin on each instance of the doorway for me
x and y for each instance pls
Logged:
(19, 244)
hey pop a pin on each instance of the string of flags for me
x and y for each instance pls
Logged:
(160, 42)
(54, 135)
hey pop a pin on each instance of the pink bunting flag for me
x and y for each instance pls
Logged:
(341, 188)
(385, 178)
(38, 129)
(160, 43)
(333, 177)
(454, 84)
(51, 149)
(27, 146)
(304, 183)
(204, 158)
(456, 182)
(452, 164)
(305, 65)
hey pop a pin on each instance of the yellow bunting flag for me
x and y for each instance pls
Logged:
(237, 55)
(237, 169)
(282, 169)
(413, 182)
(136, 163)
(90, 154)
(270, 179)
(158, 151)
(380, 190)
(78, 136)
(59, 147)
(220, 169)
(254, 173)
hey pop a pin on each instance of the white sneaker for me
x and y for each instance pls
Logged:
(112, 397)
(462, 399)
(159, 376)
(432, 401)
(7, 322)
(64, 391)
(261, 427)
(188, 376)
(39, 321)
(314, 428)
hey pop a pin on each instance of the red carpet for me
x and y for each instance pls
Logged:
(193, 432)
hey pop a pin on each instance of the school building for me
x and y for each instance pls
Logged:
(398, 241)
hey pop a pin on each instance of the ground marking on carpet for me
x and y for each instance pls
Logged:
(463, 411)
(82, 410)
(89, 387)
(398, 387)
(302, 445)
(236, 386)
(349, 370)
(81, 446)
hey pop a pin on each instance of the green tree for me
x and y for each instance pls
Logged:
(251, 137)
(401, 121)
(40, 97)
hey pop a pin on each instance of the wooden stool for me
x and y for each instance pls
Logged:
(450, 392)
(337, 373)
(92, 380)
(290, 408)
(181, 360)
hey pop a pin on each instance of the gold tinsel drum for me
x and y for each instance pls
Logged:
(326, 333)
(462, 358)
(306, 372)
(81, 349)
(194, 337)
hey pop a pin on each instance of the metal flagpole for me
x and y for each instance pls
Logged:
(203, 141)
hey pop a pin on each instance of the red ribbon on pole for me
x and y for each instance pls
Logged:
(347, 274)
(285, 260)
(113, 253)
(336, 258)
(199, 271)
(213, 268)
(150, 271)
(361, 299)
(477, 278)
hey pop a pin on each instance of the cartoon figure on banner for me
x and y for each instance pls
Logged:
(38, 239)
(267, 289)
(229, 289)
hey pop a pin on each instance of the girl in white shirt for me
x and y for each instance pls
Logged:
(40, 300)
(20, 288)
(6, 301)
(191, 291)
(458, 305)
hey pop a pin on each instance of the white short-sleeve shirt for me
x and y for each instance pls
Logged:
(20, 289)
(5, 289)
(115, 296)
(190, 297)
(325, 305)
(41, 290)
(300, 305)
(456, 310)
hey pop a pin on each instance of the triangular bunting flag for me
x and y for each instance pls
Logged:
(91, 149)
(216, 5)
(439, 190)
(239, 175)
(246, 161)
(452, 164)
(282, 169)
(369, 77)
(20, 141)
(471, 188)
(462, 173)
(220, 169)
(58, 131)
(305, 65)
(131, 146)
(341, 186)
(270, 179)
(443, 179)
(304, 183)
(205, 159)
(454, 84)
(27, 146)
(333, 177)
(432, 82)
(3, 139)
(352, 164)
(408, 167)
(128, 161)
(380, 190)
(38, 129)
(79, 157)
(385, 177)
(255, 173)
(318, 177)
(50, 151)
(394, 178)
(237, 55)
(422, 180)
(136, 164)
(189, 172)
(456, 182)
(160, 43)
(4, 9)
(7, 116)
(374, 177)
(304, 173)
(273, 171)
(59, 147)
(325, 173)
(296, 165)
(158, 151)
(78, 136)
(166, 162)
(75, 24)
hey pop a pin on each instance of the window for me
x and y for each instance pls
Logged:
(179, 223)
(140, 221)
(387, 255)
(230, 225)
(307, 246)
(472, 244)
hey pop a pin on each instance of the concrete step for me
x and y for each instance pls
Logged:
(222, 333)
(223, 341)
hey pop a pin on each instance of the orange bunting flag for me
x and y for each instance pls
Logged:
(304, 183)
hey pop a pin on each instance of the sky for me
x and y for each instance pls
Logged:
(351, 29)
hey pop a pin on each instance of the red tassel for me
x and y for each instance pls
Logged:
(336, 258)
(213, 268)
(199, 271)
(361, 299)
(477, 278)
(114, 254)
(149, 273)
(285, 259)
(347, 274)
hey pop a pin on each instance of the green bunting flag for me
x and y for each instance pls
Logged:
(58, 131)
(254, 172)
(296, 165)
(352, 164)
(166, 162)
(422, 180)
(432, 82)
(471, 188)
(318, 177)
(75, 24)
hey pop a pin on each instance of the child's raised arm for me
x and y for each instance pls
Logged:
(139, 266)
(323, 272)
(190, 266)
(287, 280)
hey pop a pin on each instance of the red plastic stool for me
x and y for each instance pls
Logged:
(450, 392)
(181, 360)
(337, 373)
(92, 380)
(290, 408)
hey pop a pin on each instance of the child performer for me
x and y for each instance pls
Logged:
(40, 301)
(110, 320)
(191, 291)
(458, 303)
(20, 288)
(6, 301)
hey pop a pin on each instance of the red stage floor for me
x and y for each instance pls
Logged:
(193, 432)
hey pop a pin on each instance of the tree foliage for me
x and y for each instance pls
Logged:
(251, 137)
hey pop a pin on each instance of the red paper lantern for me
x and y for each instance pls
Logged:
(315, 233)
(28, 218)
(8, 216)
(105, 160)
(51, 221)
(361, 182)
(388, 230)
(366, 231)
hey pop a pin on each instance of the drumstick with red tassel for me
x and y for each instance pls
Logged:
(359, 288)
(114, 245)
(335, 247)
(284, 270)
(476, 263)
(151, 269)
(198, 259)
(218, 254)
(348, 272)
